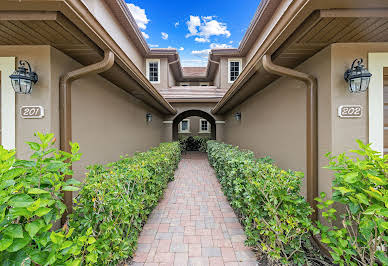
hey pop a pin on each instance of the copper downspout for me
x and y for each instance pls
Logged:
(311, 126)
(65, 107)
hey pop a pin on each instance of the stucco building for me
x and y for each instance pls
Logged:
(281, 93)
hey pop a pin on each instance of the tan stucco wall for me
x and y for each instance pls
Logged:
(223, 72)
(171, 79)
(194, 128)
(39, 58)
(107, 122)
(164, 73)
(107, 19)
(273, 120)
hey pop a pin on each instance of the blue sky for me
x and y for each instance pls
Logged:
(193, 26)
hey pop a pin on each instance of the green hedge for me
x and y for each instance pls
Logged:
(193, 143)
(267, 200)
(116, 199)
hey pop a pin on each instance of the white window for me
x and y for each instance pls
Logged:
(204, 126)
(184, 84)
(184, 126)
(153, 70)
(234, 69)
(204, 84)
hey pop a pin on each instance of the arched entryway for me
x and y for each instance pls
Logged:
(189, 113)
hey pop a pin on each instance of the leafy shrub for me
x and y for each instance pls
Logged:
(268, 201)
(117, 199)
(361, 186)
(193, 143)
(31, 202)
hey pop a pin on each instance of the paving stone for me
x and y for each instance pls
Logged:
(194, 223)
(211, 252)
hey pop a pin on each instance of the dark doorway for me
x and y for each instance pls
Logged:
(189, 113)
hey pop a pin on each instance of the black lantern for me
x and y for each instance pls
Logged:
(23, 79)
(237, 116)
(357, 77)
(148, 117)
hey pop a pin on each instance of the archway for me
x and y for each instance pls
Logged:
(189, 113)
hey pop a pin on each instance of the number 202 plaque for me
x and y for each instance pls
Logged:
(32, 112)
(350, 111)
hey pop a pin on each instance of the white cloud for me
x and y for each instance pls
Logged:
(200, 39)
(230, 42)
(205, 27)
(164, 35)
(145, 35)
(154, 45)
(219, 45)
(181, 49)
(139, 15)
(176, 24)
(202, 53)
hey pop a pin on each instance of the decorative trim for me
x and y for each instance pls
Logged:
(200, 126)
(8, 105)
(376, 64)
(148, 61)
(188, 126)
(168, 122)
(220, 122)
(239, 69)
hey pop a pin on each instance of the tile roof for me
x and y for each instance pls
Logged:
(192, 92)
(194, 71)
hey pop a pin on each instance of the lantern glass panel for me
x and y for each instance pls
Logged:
(355, 84)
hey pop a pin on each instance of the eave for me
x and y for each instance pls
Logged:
(72, 19)
(298, 32)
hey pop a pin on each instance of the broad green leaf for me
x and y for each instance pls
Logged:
(19, 243)
(20, 200)
(91, 240)
(37, 191)
(16, 212)
(372, 209)
(384, 225)
(343, 190)
(33, 227)
(34, 146)
(377, 180)
(42, 211)
(14, 231)
(70, 188)
(5, 242)
(351, 178)
(12, 173)
(362, 198)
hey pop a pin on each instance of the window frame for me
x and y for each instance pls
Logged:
(184, 84)
(230, 60)
(188, 126)
(148, 61)
(204, 84)
(208, 126)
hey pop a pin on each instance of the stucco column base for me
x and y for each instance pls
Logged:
(220, 127)
(167, 131)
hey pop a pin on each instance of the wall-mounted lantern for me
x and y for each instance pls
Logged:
(237, 116)
(357, 77)
(23, 79)
(148, 117)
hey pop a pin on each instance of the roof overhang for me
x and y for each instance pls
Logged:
(70, 27)
(299, 29)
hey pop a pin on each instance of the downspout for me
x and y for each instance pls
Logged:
(311, 126)
(65, 108)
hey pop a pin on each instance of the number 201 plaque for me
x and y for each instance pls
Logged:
(32, 112)
(350, 111)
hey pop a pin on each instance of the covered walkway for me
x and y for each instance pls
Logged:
(194, 223)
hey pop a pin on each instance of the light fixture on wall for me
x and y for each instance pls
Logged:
(23, 79)
(357, 77)
(237, 116)
(148, 117)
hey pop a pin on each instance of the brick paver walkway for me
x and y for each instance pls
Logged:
(194, 223)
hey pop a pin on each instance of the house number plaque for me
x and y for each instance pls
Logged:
(32, 112)
(350, 111)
